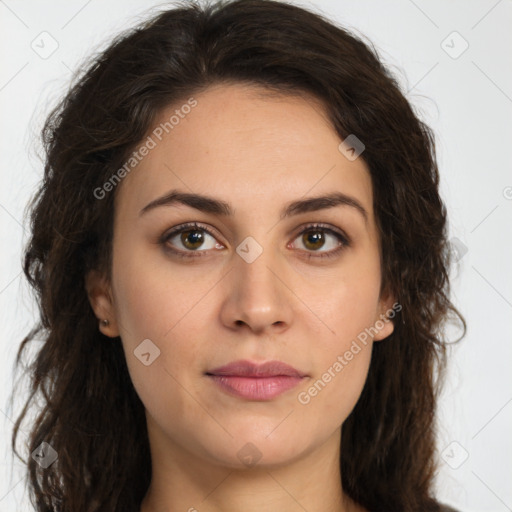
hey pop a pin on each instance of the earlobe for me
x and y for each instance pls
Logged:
(385, 328)
(384, 323)
(100, 297)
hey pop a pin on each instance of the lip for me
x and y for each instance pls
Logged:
(244, 368)
(256, 381)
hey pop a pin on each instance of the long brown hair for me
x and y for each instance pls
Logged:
(91, 414)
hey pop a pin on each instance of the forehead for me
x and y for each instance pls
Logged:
(247, 146)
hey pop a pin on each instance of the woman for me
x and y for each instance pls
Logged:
(240, 256)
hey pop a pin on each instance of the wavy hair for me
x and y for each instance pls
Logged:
(90, 412)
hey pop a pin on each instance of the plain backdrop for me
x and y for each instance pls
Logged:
(452, 60)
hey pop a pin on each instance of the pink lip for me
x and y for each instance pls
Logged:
(256, 381)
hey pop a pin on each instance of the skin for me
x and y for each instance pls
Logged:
(257, 153)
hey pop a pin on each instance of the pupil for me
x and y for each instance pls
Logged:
(313, 238)
(196, 235)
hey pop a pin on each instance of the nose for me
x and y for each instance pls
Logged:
(258, 296)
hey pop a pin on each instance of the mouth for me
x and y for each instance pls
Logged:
(252, 381)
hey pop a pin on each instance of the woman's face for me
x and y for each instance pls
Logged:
(256, 284)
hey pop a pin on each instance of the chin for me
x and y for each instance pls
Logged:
(255, 450)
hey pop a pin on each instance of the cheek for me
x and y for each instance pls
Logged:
(350, 374)
(338, 380)
(153, 298)
(349, 307)
(166, 307)
(343, 356)
(149, 310)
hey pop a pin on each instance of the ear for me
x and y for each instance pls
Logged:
(100, 297)
(387, 310)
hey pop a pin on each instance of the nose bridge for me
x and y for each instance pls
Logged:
(258, 296)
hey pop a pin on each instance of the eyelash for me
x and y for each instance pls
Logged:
(192, 226)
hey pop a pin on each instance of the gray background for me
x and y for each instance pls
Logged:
(465, 94)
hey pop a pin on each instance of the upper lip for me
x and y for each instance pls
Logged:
(244, 368)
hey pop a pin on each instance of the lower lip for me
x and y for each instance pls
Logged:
(255, 388)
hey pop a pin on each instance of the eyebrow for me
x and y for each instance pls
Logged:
(215, 206)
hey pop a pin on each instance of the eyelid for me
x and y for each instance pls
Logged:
(321, 226)
(189, 226)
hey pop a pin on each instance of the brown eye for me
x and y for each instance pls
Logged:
(190, 238)
(315, 238)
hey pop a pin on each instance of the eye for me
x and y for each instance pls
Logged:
(315, 237)
(192, 237)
